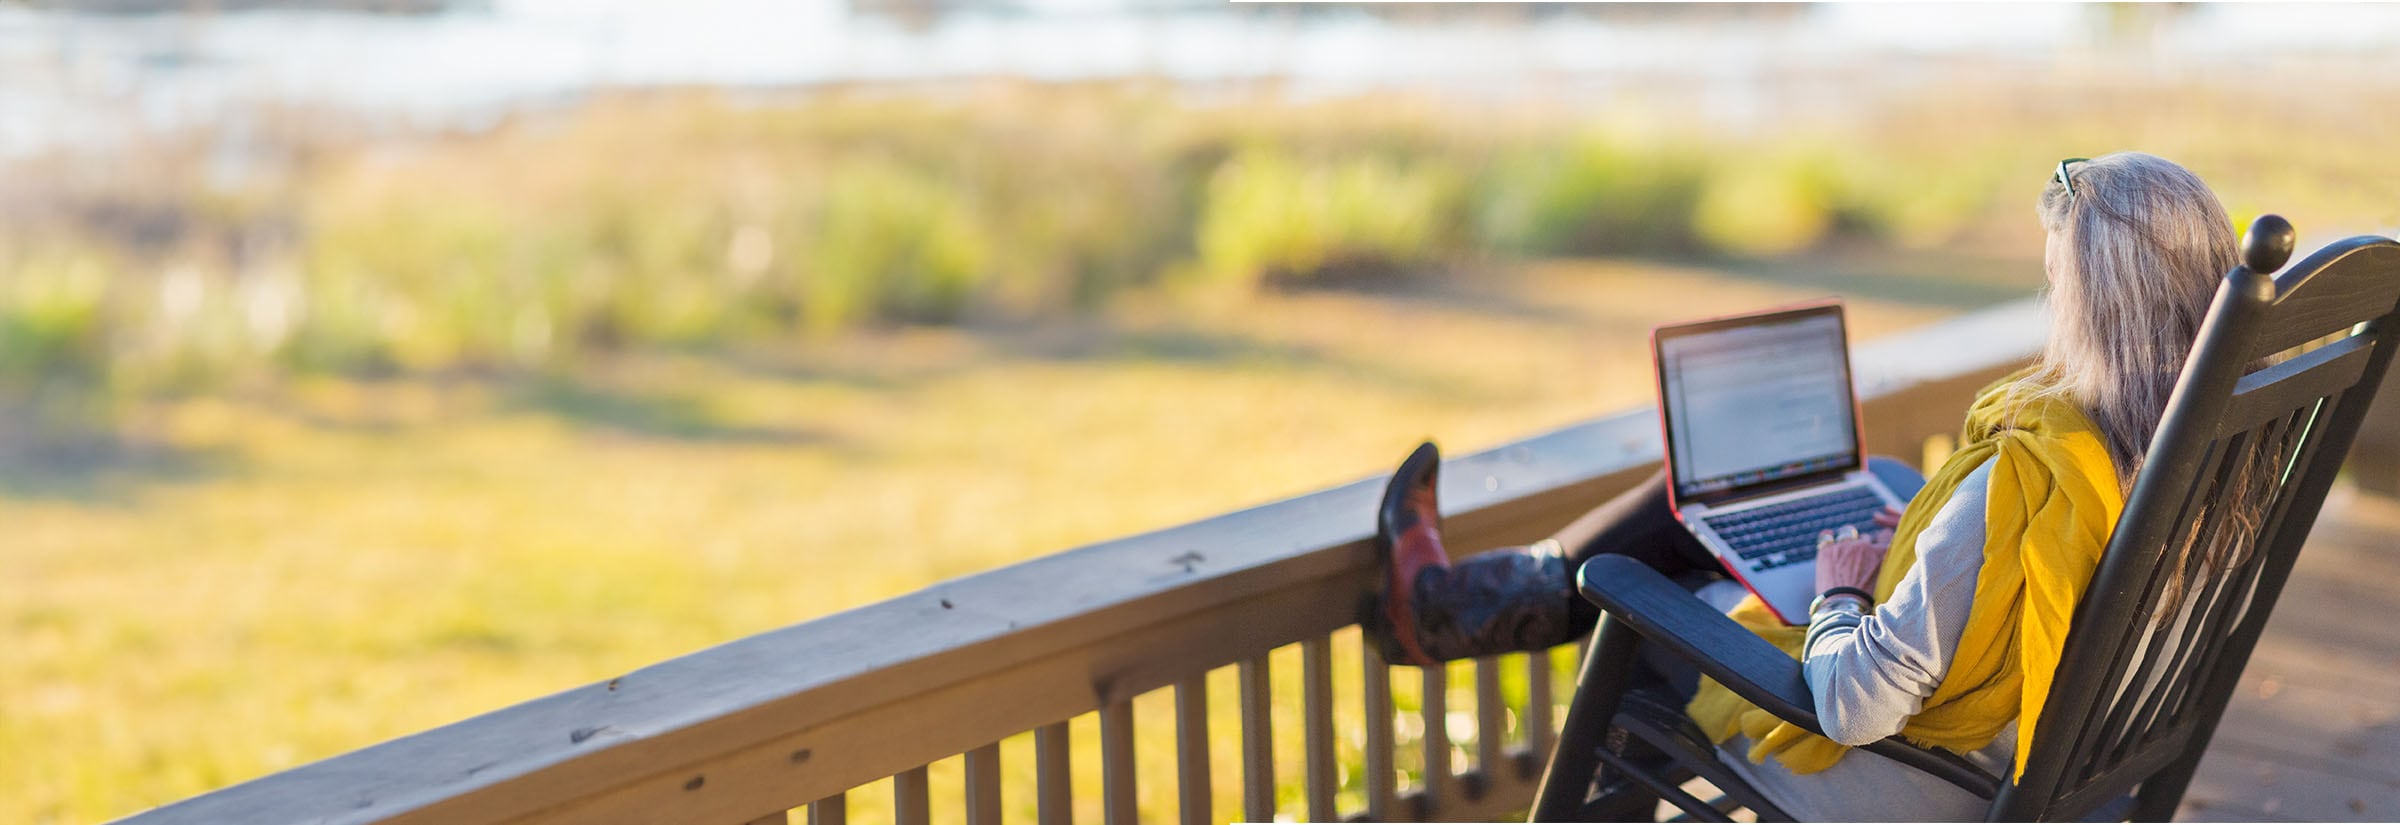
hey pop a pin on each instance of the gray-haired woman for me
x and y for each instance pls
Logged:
(2135, 248)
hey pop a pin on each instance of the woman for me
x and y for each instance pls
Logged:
(1944, 625)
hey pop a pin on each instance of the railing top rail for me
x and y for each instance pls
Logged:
(727, 729)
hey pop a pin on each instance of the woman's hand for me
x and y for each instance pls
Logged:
(1848, 559)
(1887, 518)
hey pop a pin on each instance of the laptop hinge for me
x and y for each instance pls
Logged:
(1766, 489)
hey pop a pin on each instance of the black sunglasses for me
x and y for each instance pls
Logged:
(2061, 176)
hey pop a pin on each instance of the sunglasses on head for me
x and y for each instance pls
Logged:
(2065, 182)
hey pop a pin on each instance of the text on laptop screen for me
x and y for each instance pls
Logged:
(1758, 403)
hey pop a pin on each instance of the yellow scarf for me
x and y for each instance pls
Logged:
(2053, 501)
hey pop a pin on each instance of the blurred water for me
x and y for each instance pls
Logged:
(88, 81)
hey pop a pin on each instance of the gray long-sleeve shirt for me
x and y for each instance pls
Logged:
(1871, 673)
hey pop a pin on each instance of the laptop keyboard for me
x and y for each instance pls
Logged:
(1784, 534)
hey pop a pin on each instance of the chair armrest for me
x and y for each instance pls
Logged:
(1667, 615)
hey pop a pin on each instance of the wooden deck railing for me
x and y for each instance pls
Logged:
(748, 730)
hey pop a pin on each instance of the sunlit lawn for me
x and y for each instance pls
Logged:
(284, 574)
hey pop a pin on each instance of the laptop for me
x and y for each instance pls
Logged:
(1762, 434)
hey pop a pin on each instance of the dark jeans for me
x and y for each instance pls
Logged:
(1638, 523)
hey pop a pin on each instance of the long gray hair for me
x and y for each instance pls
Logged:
(2134, 256)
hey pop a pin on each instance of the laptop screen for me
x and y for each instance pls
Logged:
(1757, 401)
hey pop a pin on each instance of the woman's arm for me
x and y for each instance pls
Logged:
(1871, 672)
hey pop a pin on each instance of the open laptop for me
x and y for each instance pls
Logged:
(1762, 435)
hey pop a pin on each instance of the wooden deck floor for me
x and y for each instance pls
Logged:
(2313, 734)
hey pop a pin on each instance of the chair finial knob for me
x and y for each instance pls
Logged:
(2268, 244)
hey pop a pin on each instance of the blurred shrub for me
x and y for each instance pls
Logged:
(1761, 206)
(1270, 215)
(1598, 194)
(54, 328)
(1926, 193)
(892, 244)
(1920, 208)
(52, 317)
(394, 282)
(532, 248)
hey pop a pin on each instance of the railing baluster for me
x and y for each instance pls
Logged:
(832, 810)
(1258, 743)
(1491, 718)
(1316, 690)
(983, 785)
(1191, 748)
(1116, 764)
(1382, 781)
(1054, 792)
(1434, 707)
(912, 798)
(1537, 709)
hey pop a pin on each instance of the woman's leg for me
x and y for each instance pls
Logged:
(1511, 599)
(1639, 523)
(1523, 598)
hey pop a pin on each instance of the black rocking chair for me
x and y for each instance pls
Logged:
(2130, 717)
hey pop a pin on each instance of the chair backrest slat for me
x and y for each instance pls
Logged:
(2108, 787)
(2260, 419)
(2326, 298)
(2227, 598)
(2299, 382)
(2145, 637)
(2100, 738)
(2163, 647)
(2297, 455)
(2207, 610)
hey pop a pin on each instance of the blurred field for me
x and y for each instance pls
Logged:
(278, 576)
(405, 429)
(697, 220)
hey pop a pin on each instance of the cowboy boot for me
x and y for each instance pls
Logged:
(1433, 610)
